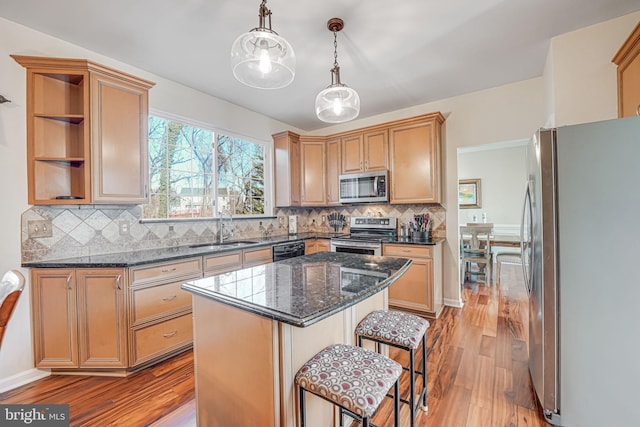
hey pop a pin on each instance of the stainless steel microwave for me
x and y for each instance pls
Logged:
(364, 187)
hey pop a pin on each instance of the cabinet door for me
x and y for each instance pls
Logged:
(414, 289)
(286, 146)
(310, 246)
(376, 150)
(630, 88)
(415, 162)
(323, 245)
(119, 115)
(102, 318)
(333, 172)
(352, 154)
(628, 61)
(312, 171)
(53, 310)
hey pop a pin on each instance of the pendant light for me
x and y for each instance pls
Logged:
(261, 58)
(337, 103)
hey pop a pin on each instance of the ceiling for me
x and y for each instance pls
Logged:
(394, 56)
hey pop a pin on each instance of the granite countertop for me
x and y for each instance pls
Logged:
(303, 290)
(150, 256)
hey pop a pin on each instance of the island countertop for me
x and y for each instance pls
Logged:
(303, 290)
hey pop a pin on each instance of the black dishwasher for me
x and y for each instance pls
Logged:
(287, 250)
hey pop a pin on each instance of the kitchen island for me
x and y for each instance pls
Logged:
(255, 327)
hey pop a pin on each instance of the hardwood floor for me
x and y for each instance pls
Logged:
(477, 374)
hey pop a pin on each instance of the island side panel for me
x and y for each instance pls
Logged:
(236, 378)
(298, 345)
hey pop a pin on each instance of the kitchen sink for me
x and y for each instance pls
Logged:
(217, 245)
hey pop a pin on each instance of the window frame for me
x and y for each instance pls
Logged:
(268, 167)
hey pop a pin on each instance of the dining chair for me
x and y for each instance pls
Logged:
(475, 248)
(10, 290)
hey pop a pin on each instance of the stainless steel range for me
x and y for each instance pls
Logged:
(367, 235)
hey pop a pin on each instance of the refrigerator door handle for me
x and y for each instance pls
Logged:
(526, 259)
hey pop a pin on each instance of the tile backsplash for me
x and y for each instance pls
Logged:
(92, 230)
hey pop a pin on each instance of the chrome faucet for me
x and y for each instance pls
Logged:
(229, 233)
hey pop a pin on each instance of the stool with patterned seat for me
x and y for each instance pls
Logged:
(404, 331)
(353, 378)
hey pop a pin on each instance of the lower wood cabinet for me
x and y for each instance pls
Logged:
(115, 319)
(420, 288)
(312, 246)
(79, 318)
(110, 318)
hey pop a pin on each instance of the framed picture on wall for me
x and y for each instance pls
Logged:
(469, 193)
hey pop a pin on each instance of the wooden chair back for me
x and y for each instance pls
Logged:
(10, 290)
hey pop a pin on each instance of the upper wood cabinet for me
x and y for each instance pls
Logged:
(86, 132)
(286, 146)
(628, 61)
(119, 140)
(415, 159)
(365, 152)
(312, 170)
(307, 168)
(333, 171)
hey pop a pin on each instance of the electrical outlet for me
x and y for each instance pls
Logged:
(39, 228)
(124, 227)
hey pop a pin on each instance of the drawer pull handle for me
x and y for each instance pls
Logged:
(171, 298)
(118, 280)
(169, 270)
(170, 334)
(69, 281)
(406, 250)
(638, 110)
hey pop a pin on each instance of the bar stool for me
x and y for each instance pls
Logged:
(404, 331)
(353, 378)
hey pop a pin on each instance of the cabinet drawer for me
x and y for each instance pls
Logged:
(407, 251)
(157, 301)
(256, 257)
(166, 270)
(216, 264)
(162, 338)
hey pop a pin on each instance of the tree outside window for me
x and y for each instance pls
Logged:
(182, 178)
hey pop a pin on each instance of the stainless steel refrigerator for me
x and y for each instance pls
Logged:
(581, 259)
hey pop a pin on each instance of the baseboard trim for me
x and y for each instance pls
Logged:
(22, 378)
(453, 302)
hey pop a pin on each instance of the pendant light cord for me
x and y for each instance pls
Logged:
(335, 48)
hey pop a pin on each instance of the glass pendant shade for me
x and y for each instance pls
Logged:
(262, 59)
(337, 104)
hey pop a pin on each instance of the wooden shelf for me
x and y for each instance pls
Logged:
(68, 118)
(60, 159)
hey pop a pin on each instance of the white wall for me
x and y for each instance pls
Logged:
(501, 170)
(16, 360)
(584, 80)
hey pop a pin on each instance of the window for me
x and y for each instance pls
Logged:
(197, 173)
